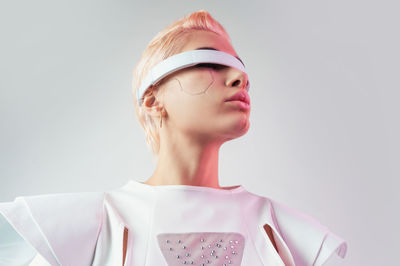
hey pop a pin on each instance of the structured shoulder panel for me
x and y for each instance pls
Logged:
(63, 228)
(310, 242)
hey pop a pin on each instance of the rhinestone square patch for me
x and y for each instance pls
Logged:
(202, 248)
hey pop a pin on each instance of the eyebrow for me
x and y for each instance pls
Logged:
(211, 48)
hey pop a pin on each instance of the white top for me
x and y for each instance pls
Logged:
(161, 225)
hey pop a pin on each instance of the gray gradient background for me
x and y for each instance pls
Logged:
(324, 119)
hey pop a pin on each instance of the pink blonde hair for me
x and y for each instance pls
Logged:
(166, 43)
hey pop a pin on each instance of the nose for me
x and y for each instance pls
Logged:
(239, 79)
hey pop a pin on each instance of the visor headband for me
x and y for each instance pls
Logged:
(184, 60)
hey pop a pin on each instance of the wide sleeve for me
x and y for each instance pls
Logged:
(61, 228)
(14, 250)
(310, 242)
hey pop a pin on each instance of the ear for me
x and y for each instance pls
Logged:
(151, 104)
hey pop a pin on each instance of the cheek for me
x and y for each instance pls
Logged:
(196, 111)
(194, 116)
(195, 100)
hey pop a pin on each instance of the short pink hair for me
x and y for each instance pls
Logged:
(166, 43)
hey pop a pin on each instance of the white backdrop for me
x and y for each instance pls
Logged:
(324, 119)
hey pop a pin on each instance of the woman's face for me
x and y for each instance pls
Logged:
(194, 98)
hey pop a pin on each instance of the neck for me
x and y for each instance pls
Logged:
(183, 162)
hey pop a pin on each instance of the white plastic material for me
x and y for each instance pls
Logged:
(183, 60)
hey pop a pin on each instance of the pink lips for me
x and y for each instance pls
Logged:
(242, 104)
(240, 96)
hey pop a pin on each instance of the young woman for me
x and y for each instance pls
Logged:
(191, 95)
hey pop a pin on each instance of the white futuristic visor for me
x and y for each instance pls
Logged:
(187, 59)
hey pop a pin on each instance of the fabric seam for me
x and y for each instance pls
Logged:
(275, 220)
(41, 231)
(151, 225)
(250, 236)
(99, 227)
(320, 248)
(20, 234)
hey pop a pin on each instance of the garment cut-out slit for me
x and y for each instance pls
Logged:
(125, 245)
(268, 230)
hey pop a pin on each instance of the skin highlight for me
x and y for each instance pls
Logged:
(194, 126)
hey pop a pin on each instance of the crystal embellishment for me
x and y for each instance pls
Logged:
(202, 248)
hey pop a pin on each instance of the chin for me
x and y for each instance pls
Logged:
(244, 124)
(245, 129)
(241, 129)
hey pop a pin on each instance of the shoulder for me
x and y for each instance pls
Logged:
(310, 242)
(63, 227)
(14, 250)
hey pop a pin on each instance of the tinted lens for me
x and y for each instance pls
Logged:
(211, 65)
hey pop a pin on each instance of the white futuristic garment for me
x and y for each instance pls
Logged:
(143, 225)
